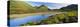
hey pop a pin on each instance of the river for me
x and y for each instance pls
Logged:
(19, 21)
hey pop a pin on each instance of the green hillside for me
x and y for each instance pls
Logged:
(42, 8)
(18, 7)
(21, 7)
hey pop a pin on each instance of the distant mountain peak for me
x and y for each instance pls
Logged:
(71, 7)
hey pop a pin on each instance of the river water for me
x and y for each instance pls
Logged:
(19, 21)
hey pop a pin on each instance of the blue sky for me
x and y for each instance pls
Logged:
(49, 5)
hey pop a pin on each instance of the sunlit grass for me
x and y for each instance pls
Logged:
(72, 13)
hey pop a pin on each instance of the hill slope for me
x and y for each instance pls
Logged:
(70, 7)
(18, 7)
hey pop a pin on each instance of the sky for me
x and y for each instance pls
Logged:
(55, 1)
(49, 5)
(53, 4)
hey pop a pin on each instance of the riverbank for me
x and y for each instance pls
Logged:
(13, 16)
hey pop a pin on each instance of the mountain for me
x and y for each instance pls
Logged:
(70, 7)
(18, 7)
(42, 8)
(21, 7)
